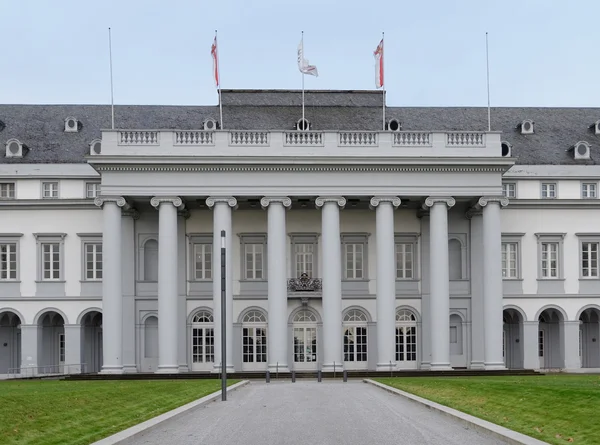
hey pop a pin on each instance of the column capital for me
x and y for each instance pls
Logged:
(432, 200)
(394, 200)
(284, 200)
(119, 200)
(339, 200)
(229, 200)
(175, 200)
(484, 200)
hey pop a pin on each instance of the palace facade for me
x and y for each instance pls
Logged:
(432, 244)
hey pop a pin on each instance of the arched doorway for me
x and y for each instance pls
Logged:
(458, 357)
(406, 339)
(51, 343)
(10, 343)
(203, 341)
(150, 354)
(355, 339)
(549, 339)
(589, 338)
(512, 346)
(304, 326)
(91, 341)
(254, 341)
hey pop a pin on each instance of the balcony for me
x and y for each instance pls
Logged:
(262, 143)
(304, 284)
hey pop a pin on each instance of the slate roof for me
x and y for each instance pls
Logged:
(41, 127)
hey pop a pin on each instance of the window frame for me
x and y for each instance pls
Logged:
(8, 189)
(513, 238)
(96, 188)
(304, 238)
(355, 239)
(13, 238)
(554, 184)
(90, 239)
(584, 238)
(253, 239)
(50, 238)
(506, 185)
(588, 184)
(199, 239)
(50, 183)
(549, 238)
(411, 239)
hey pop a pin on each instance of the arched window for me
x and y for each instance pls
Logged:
(355, 315)
(455, 259)
(305, 340)
(203, 341)
(305, 316)
(254, 341)
(355, 339)
(151, 260)
(406, 339)
(255, 317)
(203, 317)
(405, 315)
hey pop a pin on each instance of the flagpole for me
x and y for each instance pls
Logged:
(383, 70)
(302, 43)
(112, 100)
(487, 60)
(219, 86)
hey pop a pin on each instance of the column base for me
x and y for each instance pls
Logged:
(130, 369)
(477, 365)
(426, 366)
(228, 369)
(495, 366)
(167, 369)
(332, 367)
(440, 367)
(184, 368)
(112, 369)
(278, 368)
(380, 367)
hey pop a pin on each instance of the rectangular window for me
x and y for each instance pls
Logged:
(93, 261)
(509, 189)
(588, 190)
(8, 261)
(254, 254)
(549, 260)
(540, 343)
(589, 260)
(509, 260)
(203, 261)
(50, 261)
(7, 190)
(354, 261)
(304, 259)
(404, 261)
(548, 190)
(49, 190)
(92, 189)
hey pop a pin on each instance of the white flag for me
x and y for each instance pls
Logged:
(303, 64)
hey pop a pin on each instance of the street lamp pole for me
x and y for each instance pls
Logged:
(223, 317)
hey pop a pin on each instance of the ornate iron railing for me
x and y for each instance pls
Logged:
(304, 284)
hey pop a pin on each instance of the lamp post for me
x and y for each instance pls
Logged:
(223, 315)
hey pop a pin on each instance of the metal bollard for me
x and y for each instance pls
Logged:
(293, 376)
(268, 376)
(345, 375)
(319, 376)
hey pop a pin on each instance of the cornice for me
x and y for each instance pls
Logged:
(554, 203)
(37, 204)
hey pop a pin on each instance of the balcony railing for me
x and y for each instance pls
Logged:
(304, 284)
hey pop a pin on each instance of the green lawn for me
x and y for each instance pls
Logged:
(81, 412)
(558, 409)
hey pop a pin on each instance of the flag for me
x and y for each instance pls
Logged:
(213, 52)
(379, 65)
(303, 64)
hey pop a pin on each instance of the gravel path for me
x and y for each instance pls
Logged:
(312, 413)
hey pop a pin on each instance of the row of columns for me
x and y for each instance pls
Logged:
(277, 283)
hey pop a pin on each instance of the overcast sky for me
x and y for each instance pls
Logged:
(542, 52)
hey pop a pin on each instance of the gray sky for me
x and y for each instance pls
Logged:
(542, 52)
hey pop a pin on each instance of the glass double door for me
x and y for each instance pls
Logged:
(406, 347)
(203, 348)
(355, 347)
(305, 347)
(254, 348)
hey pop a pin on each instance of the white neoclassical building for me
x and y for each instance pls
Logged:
(432, 244)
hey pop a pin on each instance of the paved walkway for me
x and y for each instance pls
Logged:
(312, 413)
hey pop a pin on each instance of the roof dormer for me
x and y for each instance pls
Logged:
(14, 148)
(581, 150)
(72, 125)
(526, 126)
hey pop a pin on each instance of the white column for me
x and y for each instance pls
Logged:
(222, 220)
(73, 349)
(277, 282)
(128, 279)
(477, 348)
(531, 359)
(332, 281)
(112, 286)
(167, 283)
(492, 284)
(386, 281)
(439, 281)
(570, 344)
(29, 349)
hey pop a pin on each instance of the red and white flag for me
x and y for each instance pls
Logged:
(304, 65)
(379, 65)
(215, 57)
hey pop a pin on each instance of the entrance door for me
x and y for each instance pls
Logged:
(406, 347)
(355, 347)
(254, 349)
(203, 348)
(305, 347)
